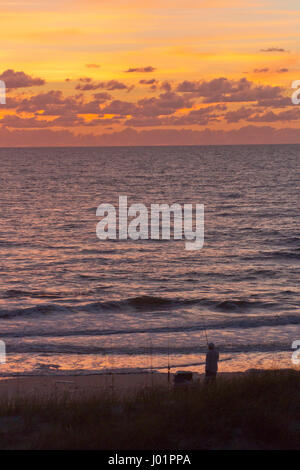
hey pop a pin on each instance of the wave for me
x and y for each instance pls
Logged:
(232, 323)
(146, 303)
(42, 294)
(160, 350)
(233, 305)
(15, 293)
(140, 303)
(278, 254)
(42, 309)
(291, 254)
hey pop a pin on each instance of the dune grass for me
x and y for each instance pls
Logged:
(251, 411)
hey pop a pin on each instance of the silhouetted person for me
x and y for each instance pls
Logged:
(211, 363)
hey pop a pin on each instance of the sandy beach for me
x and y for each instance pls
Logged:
(79, 384)
(71, 412)
(122, 383)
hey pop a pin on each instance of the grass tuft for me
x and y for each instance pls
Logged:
(251, 411)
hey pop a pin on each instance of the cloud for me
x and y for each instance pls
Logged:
(144, 122)
(68, 120)
(103, 96)
(141, 69)
(41, 101)
(265, 70)
(250, 115)
(18, 122)
(175, 107)
(270, 116)
(273, 49)
(20, 79)
(261, 70)
(53, 103)
(92, 66)
(245, 135)
(165, 103)
(276, 102)
(198, 117)
(151, 81)
(225, 90)
(166, 86)
(87, 84)
(155, 84)
(122, 108)
(238, 115)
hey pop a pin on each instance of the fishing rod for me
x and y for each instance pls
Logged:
(169, 366)
(204, 328)
(151, 359)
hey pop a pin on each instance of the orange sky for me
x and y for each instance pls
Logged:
(130, 72)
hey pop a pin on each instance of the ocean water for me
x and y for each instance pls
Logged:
(70, 303)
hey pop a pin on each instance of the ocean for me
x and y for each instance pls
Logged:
(70, 303)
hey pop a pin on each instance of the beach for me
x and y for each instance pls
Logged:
(81, 385)
(91, 385)
(253, 410)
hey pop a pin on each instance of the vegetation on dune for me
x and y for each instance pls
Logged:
(250, 411)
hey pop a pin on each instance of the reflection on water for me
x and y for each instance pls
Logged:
(70, 300)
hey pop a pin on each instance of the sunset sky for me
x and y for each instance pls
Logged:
(129, 72)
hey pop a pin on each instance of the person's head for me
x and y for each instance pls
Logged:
(211, 346)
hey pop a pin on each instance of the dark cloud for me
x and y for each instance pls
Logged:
(68, 120)
(104, 96)
(18, 122)
(199, 117)
(141, 69)
(165, 103)
(166, 86)
(270, 116)
(261, 70)
(87, 84)
(251, 115)
(14, 79)
(53, 103)
(273, 49)
(225, 90)
(239, 114)
(277, 102)
(122, 108)
(151, 81)
(129, 136)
